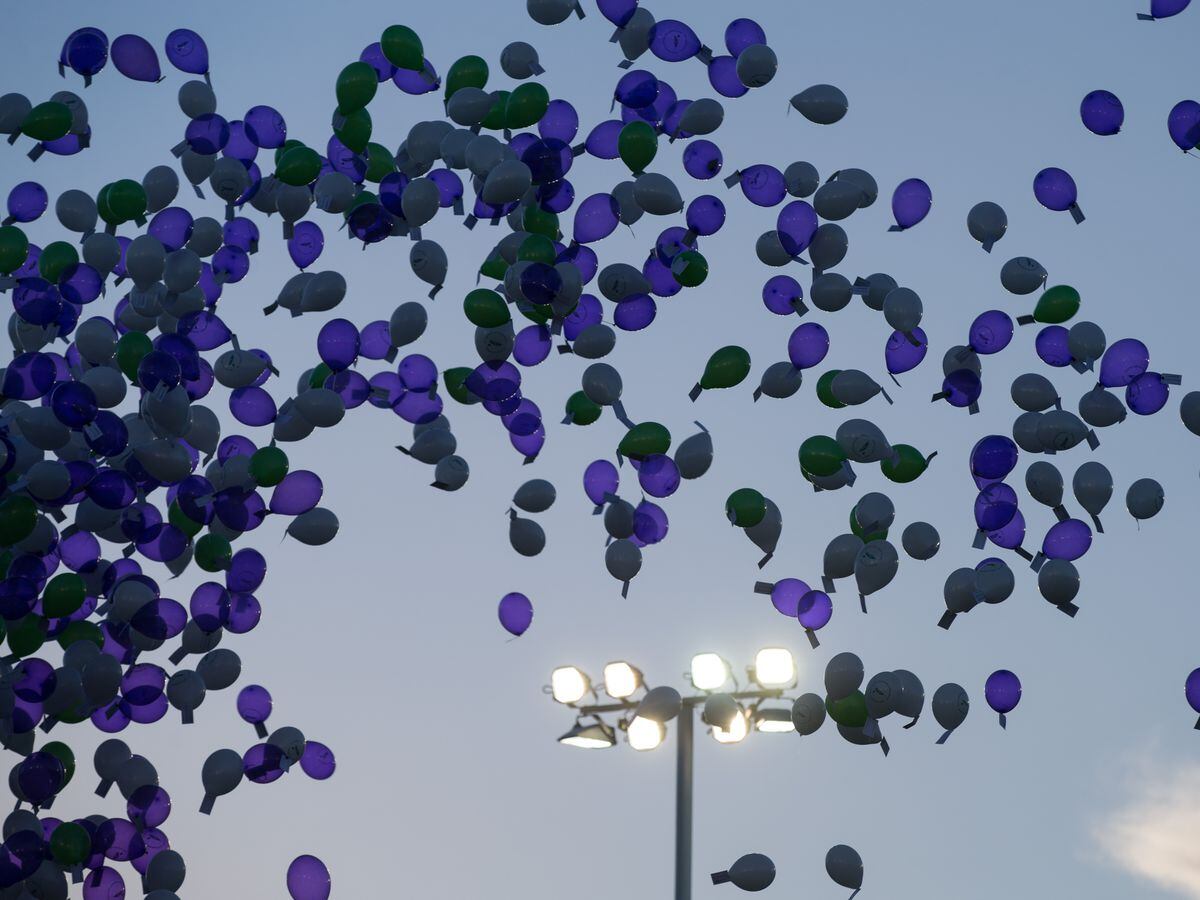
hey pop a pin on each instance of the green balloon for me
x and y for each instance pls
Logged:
(907, 465)
(78, 631)
(637, 145)
(402, 48)
(526, 105)
(26, 636)
(494, 266)
(455, 380)
(849, 711)
(825, 389)
(63, 595)
(18, 517)
(380, 163)
(47, 121)
(495, 118)
(645, 439)
(726, 368)
(746, 507)
(536, 220)
(298, 166)
(821, 455)
(131, 347)
(581, 410)
(1057, 305)
(63, 754)
(486, 309)
(268, 465)
(56, 258)
(127, 200)
(181, 520)
(469, 71)
(360, 199)
(213, 553)
(537, 248)
(284, 148)
(319, 374)
(539, 314)
(70, 845)
(866, 537)
(355, 130)
(14, 249)
(689, 268)
(106, 214)
(356, 87)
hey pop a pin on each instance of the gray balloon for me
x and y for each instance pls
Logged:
(831, 291)
(756, 65)
(207, 236)
(620, 280)
(657, 194)
(220, 774)
(1100, 409)
(602, 384)
(801, 179)
(994, 581)
(535, 496)
(407, 323)
(420, 201)
(694, 456)
(292, 202)
(623, 560)
(865, 181)
(1025, 432)
(987, 222)
(765, 534)
(1086, 341)
(165, 872)
(197, 99)
(880, 694)
(780, 381)
(843, 675)
(182, 270)
(135, 772)
(844, 866)
(13, 110)
(950, 707)
(450, 473)
(628, 210)
(634, 38)
(229, 180)
(525, 535)
(703, 116)
(836, 200)
(902, 308)
(96, 340)
(323, 292)
(1061, 430)
(960, 357)
(1144, 498)
(911, 699)
(1189, 411)
(828, 246)
(507, 182)
(1044, 483)
(431, 447)
(76, 211)
(333, 192)
(1033, 392)
(822, 104)
(921, 541)
(495, 344)
(1058, 581)
(752, 872)
(429, 263)
(959, 591)
(770, 250)
(320, 406)
(484, 153)
(808, 713)
(1022, 275)
(453, 148)
(185, 692)
(595, 341)
(874, 512)
(550, 12)
(875, 567)
(219, 668)
(863, 442)
(196, 168)
(720, 710)
(145, 260)
(852, 387)
(1093, 488)
(839, 558)
(102, 252)
(424, 140)
(661, 704)
(619, 518)
(520, 61)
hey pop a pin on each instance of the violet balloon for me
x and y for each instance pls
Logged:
(911, 202)
(516, 613)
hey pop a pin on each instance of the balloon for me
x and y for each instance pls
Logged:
(726, 368)
(308, 879)
(516, 613)
(1144, 499)
(950, 708)
(1164, 9)
(911, 202)
(845, 867)
(752, 872)
(822, 104)
(1102, 113)
(1055, 189)
(987, 222)
(1183, 124)
(1003, 692)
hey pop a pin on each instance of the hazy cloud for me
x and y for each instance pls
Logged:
(1153, 835)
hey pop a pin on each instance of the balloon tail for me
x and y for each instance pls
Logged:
(943, 738)
(1092, 440)
(1023, 553)
(1096, 522)
(694, 393)
(812, 638)
(978, 544)
(187, 717)
(827, 583)
(856, 890)
(36, 153)
(894, 379)
(1070, 609)
(720, 877)
(1061, 514)
(912, 723)
(616, 36)
(206, 806)
(987, 245)
(733, 179)
(886, 397)
(102, 788)
(972, 409)
(883, 745)
(757, 394)
(895, 228)
(766, 559)
(1077, 214)
(1025, 320)
(913, 339)
(947, 620)
(625, 64)
(1142, 17)
(1037, 562)
(764, 587)
(862, 601)
(1003, 721)
(625, 589)
(1198, 724)
(261, 730)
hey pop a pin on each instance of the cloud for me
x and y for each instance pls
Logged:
(1153, 835)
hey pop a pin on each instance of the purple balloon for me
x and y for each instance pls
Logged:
(516, 613)
(808, 345)
(254, 704)
(662, 282)
(673, 41)
(148, 807)
(1191, 690)
(263, 763)
(266, 127)
(636, 89)
(252, 406)
(496, 380)
(1123, 361)
(723, 76)
(1069, 540)
(134, 57)
(1052, 346)
(26, 202)
(560, 121)
(796, 225)
(786, 595)
(705, 215)
(991, 332)
(1102, 113)
(902, 355)
(815, 610)
(103, 883)
(416, 83)
(596, 218)
(650, 524)
(207, 134)
(658, 475)
(993, 457)
(305, 244)
(702, 159)
(589, 311)
(1002, 691)
(995, 506)
(308, 879)
(911, 202)
(600, 478)
(781, 294)
(187, 51)
(86, 51)
(1164, 9)
(297, 493)
(743, 33)
(763, 185)
(962, 388)
(528, 445)
(1147, 394)
(1183, 124)
(337, 344)
(532, 345)
(635, 312)
(601, 141)
(1055, 189)
(317, 761)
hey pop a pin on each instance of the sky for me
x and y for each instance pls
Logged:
(384, 644)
